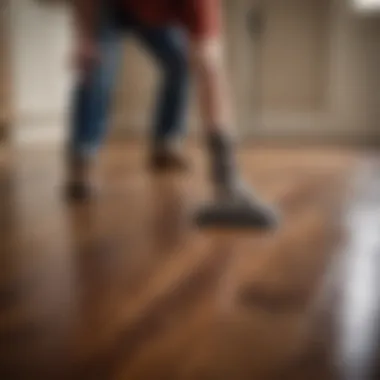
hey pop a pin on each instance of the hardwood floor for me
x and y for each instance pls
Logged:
(126, 287)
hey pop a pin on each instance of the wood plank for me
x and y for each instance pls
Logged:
(126, 287)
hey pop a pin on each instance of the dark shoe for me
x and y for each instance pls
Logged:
(77, 191)
(80, 185)
(163, 161)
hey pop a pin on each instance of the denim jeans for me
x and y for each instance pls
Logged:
(91, 97)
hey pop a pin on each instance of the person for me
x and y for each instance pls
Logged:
(176, 32)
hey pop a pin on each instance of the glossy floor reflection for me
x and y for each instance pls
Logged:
(125, 287)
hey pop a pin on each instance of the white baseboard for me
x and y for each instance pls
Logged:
(52, 130)
(349, 134)
(47, 129)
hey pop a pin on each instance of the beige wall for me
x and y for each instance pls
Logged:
(356, 91)
(366, 5)
(39, 38)
(350, 79)
(292, 56)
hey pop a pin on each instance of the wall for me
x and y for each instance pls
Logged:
(287, 67)
(352, 82)
(39, 39)
(366, 5)
(355, 78)
(40, 42)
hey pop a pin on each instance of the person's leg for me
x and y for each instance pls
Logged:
(235, 205)
(90, 106)
(169, 47)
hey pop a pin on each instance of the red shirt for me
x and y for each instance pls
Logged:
(201, 18)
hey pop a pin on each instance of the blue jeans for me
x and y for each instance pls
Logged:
(91, 98)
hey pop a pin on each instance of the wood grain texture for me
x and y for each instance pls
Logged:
(125, 287)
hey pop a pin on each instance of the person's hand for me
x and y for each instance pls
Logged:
(86, 54)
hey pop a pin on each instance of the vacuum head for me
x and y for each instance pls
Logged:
(237, 215)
